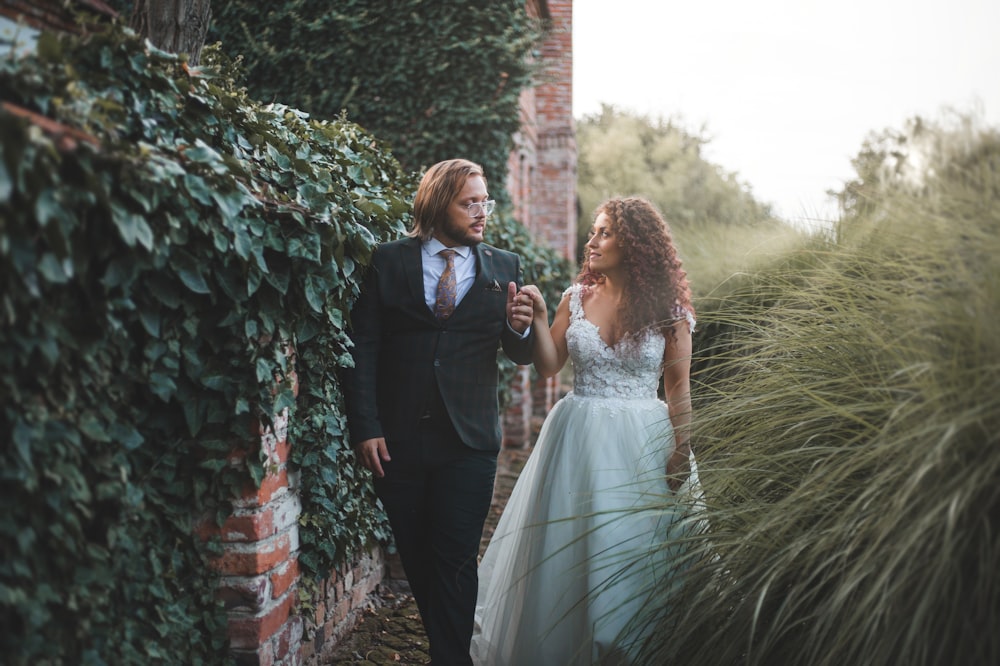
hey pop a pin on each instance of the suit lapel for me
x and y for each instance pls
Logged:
(480, 284)
(413, 269)
(484, 268)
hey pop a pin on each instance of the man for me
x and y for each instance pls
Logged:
(422, 397)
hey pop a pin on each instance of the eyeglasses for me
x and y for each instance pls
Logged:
(486, 206)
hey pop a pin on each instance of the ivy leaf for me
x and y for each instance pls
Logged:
(51, 269)
(150, 320)
(164, 290)
(198, 188)
(242, 242)
(189, 271)
(132, 227)
(231, 203)
(129, 437)
(6, 183)
(162, 386)
(47, 206)
(314, 292)
(285, 398)
(194, 415)
(92, 427)
(264, 370)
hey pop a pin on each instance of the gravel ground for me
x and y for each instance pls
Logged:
(394, 634)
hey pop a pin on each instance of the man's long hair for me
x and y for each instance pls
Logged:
(438, 188)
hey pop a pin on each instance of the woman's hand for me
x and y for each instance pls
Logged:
(678, 467)
(538, 308)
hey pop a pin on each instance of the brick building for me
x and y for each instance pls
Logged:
(542, 167)
(542, 183)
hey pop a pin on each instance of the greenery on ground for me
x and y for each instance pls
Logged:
(848, 429)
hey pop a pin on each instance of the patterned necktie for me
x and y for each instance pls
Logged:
(444, 305)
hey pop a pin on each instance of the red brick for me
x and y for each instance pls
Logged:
(284, 576)
(261, 657)
(288, 641)
(271, 485)
(341, 611)
(242, 593)
(251, 631)
(319, 614)
(250, 526)
(256, 559)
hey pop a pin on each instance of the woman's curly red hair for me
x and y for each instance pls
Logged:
(656, 292)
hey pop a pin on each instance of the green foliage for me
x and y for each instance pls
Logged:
(622, 153)
(540, 265)
(436, 79)
(153, 287)
(847, 420)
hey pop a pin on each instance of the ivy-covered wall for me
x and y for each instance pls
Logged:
(155, 262)
(170, 251)
(435, 79)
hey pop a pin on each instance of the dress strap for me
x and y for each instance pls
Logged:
(575, 292)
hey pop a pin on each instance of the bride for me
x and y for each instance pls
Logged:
(585, 535)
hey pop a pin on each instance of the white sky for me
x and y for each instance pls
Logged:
(787, 90)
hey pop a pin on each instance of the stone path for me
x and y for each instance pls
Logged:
(394, 634)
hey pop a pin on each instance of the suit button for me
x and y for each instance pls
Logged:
(437, 363)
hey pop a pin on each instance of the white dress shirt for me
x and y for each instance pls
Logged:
(465, 273)
(434, 264)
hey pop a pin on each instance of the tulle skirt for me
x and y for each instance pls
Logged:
(584, 539)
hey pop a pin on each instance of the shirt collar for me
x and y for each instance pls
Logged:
(433, 246)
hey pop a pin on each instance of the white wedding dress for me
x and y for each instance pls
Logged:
(581, 542)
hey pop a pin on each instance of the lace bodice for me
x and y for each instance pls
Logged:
(629, 370)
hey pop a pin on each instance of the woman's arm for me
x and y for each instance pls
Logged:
(677, 387)
(549, 353)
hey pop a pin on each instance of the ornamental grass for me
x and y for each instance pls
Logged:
(847, 427)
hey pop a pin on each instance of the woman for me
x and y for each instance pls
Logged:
(581, 540)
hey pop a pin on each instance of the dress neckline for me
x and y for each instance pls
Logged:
(597, 329)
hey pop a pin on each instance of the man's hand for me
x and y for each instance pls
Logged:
(538, 310)
(519, 309)
(372, 453)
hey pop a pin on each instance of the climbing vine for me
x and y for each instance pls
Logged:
(165, 243)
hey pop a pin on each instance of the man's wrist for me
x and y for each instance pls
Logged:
(522, 335)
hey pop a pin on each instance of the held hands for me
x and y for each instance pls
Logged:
(523, 306)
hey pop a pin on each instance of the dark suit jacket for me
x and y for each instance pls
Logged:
(401, 350)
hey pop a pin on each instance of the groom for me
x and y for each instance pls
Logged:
(422, 398)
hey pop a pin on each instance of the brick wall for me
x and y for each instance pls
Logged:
(258, 567)
(554, 200)
(338, 603)
(541, 178)
(259, 573)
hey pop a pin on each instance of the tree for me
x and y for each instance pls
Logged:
(624, 153)
(178, 26)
